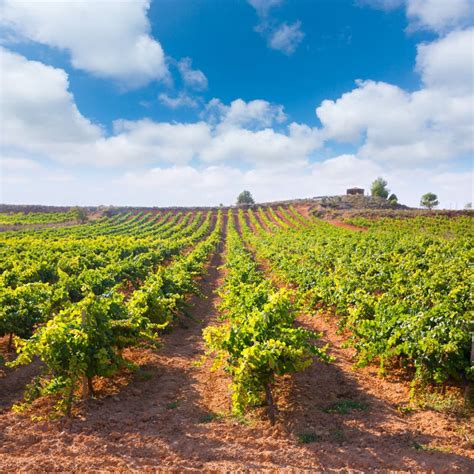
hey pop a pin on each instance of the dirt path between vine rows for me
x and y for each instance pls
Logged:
(345, 225)
(173, 415)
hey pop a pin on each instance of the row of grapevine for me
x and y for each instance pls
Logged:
(293, 217)
(405, 295)
(37, 217)
(86, 339)
(44, 277)
(258, 340)
(438, 225)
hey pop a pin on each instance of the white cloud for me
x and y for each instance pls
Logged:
(19, 175)
(280, 36)
(254, 114)
(185, 185)
(18, 165)
(145, 141)
(439, 15)
(262, 7)
(42, 119)
(347, 118)
(243, 131)
(286, 38)
(260, 148)
(448, 63)
(455, 190)
(109, 39)
(401, 128)
(408, 137)
(181, 100)
(158, 142)
(38, 111)
(433, 124)
(193, 78)
(215, 184)
(195, 186)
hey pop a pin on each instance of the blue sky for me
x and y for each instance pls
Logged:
(190, 101)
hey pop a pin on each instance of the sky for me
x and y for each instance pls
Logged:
(189, 102)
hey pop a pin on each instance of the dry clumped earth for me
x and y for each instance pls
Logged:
(173, 415)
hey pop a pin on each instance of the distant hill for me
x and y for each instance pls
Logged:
(319, 206)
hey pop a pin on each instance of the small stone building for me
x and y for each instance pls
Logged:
(355, 191)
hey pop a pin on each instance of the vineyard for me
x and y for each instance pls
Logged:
(260, 337)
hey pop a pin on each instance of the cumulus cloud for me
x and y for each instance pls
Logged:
(432, 124)
(193, 78)
(181, 100)
(278, 164)
(280, 36)
(260, 148)
(38, 111)
(41, 118)
(159, 142)
(243, 131)
(436, 15)
(254, 114)
(108, 39)
(448, 63)
(439, 15)
(286, 38)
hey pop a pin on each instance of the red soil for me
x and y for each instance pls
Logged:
(305, 210)
(261, 221)
(284, 218)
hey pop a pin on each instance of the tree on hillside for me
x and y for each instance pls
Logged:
(429, 200)
(80, 214)
(468, 205)
(379, 188)
(109, 211)
(245, 198)
(393, 199)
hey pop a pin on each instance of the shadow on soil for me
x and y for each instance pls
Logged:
(339, 420)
